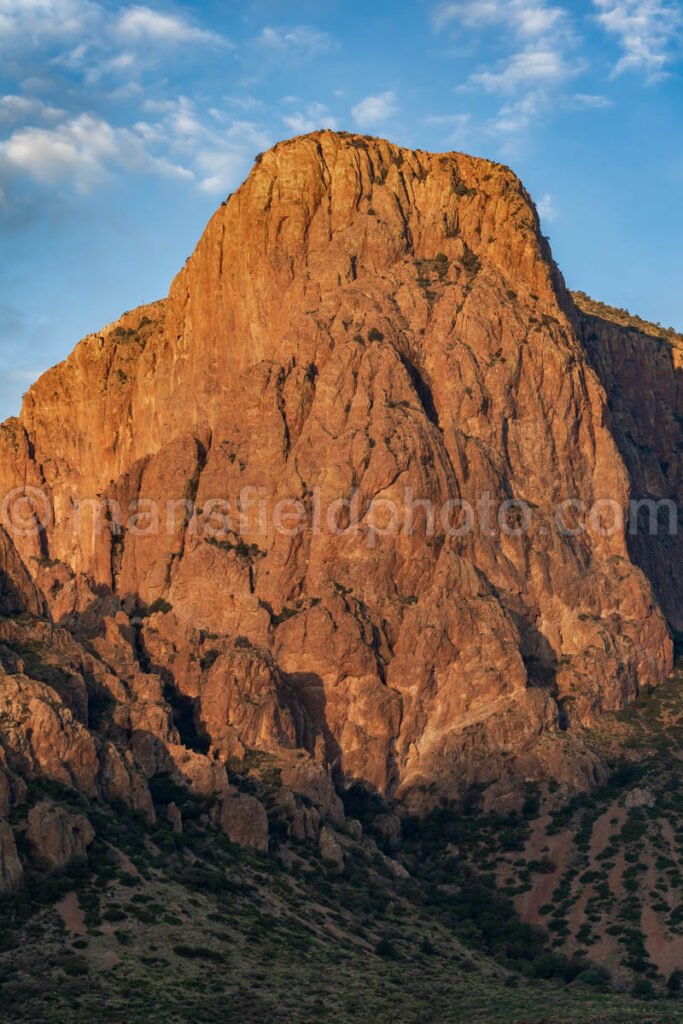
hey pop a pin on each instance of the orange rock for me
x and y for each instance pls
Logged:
(244, 820)
(55, 836)
(359, 318)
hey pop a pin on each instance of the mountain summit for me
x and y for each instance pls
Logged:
(361, 324)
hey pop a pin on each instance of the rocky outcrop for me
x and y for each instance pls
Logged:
(361, 329)
(641, 368)
(244, 821)
(330, 848)
(55, 836)
(41, 736)
(11, 871)
(18, 592)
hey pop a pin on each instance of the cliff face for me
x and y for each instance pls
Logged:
(641, 369)
(358, 319)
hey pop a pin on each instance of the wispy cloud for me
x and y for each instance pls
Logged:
(223, 158)
(374, 109)
(514, 119)
(94, 38)
(543, 56)
(314, 115)
(114, 51)
(217, 149)
(595, 102)
(648, 31)
(536, 65)
(523, 19)
(301, 40)
(140, 24)
(546, 208)
(27, 24)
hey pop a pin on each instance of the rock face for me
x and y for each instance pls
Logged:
(244, 821)
(57, 837)
(641, 369)
(18, 593)
(11, 871)
(361, 330)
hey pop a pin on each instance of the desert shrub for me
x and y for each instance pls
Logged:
(198, 953)
(386, 949)
(643, 989)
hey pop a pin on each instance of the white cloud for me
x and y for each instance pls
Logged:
(648, 31)
(315, 116)
(516, 118)
(535, 66)
(220, 170)
(218, 149)
(301, 40)
(27, 24)
(374, 109)
(225, 157)
(81, 151)
(172, 138)
(77, 148)
(541, 44)
(525, 19)
(140, 24)
(595, 102)
(546, 208)
(20, 108)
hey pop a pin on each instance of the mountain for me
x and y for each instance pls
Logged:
(321, 557)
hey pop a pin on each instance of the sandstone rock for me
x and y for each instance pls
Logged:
(18, 592)
(203, 775)
(353, 828)
(12, 787)
(11, 871)
(640, 367)
(310, 780)
(120, 779)
(389, 827)
(244, 821)
(397, 869)
(175, 817)
(641, 796)
(330, 848)
(245, 703)
(304, 821)
(41, 736)
(57, 836)
(364, 319)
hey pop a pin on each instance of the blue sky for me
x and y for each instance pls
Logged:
(122, 126)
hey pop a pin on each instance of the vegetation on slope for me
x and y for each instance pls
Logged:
(161, 927)
(624, 318)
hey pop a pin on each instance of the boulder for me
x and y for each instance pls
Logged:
(56, 836)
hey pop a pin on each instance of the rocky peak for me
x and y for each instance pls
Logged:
(356, 319)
